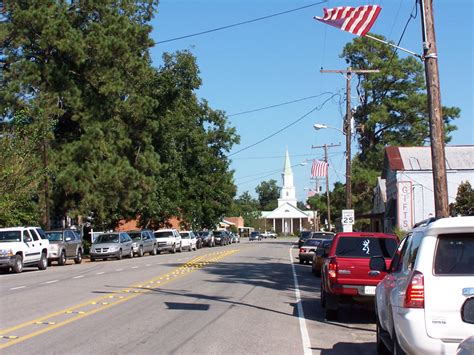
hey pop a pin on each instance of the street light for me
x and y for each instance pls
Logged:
(317, 127)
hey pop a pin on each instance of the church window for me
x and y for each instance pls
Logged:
(287, 193)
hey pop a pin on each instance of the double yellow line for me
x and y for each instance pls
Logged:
(32, 328)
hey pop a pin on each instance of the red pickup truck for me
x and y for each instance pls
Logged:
(346, 276)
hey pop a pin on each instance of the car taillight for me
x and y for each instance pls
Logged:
(415, 293)
(301, 250)
(332, 269)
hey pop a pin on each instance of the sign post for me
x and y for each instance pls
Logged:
(347, 220)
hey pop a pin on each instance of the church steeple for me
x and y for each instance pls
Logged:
(288, 191)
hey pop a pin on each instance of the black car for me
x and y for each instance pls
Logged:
(303, 236)
(221, 237)
(207, 238)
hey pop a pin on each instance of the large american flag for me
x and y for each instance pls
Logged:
(356, 20)
(319, 168)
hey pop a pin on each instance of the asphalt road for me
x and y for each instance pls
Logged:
(238, 299)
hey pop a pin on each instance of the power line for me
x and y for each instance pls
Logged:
(316, 108)
(240, 23)
(278, 105)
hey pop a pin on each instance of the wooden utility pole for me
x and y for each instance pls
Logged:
(438, 157)
(347, 125)
(325, 147)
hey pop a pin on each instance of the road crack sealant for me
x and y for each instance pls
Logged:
(35, 327)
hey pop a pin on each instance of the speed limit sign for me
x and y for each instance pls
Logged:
(347, 217)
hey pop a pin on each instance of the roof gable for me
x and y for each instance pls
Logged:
(286, 211)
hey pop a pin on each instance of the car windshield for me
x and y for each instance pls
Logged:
(455, 254)
(10, 236)
(366, 247)
(322, 235)
(312, 243)
(54, 236)
(135, 236)
(305, 234)
(163, 234)
(107, 238)
(185, 235)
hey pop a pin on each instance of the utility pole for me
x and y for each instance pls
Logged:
(347, 125)
(438, 158)
(325, 147)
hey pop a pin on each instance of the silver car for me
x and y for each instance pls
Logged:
(111, 245)
(63, 245)
(144, 241)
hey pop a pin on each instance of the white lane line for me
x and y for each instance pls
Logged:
(17, 288)
(119, 270)
(78, 277)
(134, 267)
(100, 273)
(148, 265)
(51, 282)
(304, 331)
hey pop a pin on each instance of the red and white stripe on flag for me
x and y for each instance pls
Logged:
(319, 168)
(356, 20)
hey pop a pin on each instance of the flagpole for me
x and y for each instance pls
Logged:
(394, 46)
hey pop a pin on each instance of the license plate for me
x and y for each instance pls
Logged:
(369, 290)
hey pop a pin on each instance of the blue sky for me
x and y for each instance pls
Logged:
(279, 60)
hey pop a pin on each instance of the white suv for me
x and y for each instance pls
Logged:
(425, 304)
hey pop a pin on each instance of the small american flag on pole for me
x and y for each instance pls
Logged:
(356, 20)
(319, 168)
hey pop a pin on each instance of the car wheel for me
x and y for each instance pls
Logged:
(140, 252)
(331, 307)
(105, 259)
(381, 347)
(301, 261)
(92, 259)
(180, 249)
(62, 258)
(50, 262)
(131, 253)
(173, 250)
(322, 298)
(18, 264)
(78, 258)
(119, 256)
(43, 262)
(153, 252)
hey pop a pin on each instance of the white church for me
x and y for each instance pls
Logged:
(287, 218)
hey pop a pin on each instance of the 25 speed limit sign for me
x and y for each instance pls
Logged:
(347, 216)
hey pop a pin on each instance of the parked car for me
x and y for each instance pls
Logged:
(255, 236)
(466, 347)
(425, 304)
(221, 237)
(323, 235)
(198, 240)
(269, 235)
(144, 241)
(111, 245)
(303, 236)
(188, 240)
(23, 246)
(307, 250)
(345, 275)
(207, 238)
(63, 245)
(320, 255)
(234, 238)
(168, 239)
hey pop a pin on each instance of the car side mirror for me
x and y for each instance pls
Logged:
(27, 240)
(377, 263)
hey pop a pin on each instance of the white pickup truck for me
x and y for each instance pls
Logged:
(168, 239)
(23, 246)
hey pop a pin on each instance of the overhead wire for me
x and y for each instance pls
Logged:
(278, 105)
(316, 108)
(240, 23)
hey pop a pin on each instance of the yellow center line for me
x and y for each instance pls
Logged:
(103, 303)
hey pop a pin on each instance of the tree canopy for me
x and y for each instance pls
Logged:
(120, 138)
(268, 194)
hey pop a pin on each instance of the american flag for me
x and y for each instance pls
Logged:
(319, 168)
(356, 20)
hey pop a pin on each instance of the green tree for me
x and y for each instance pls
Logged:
(392, 110)
(247, 207)
(268, 194)
(464, 204)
